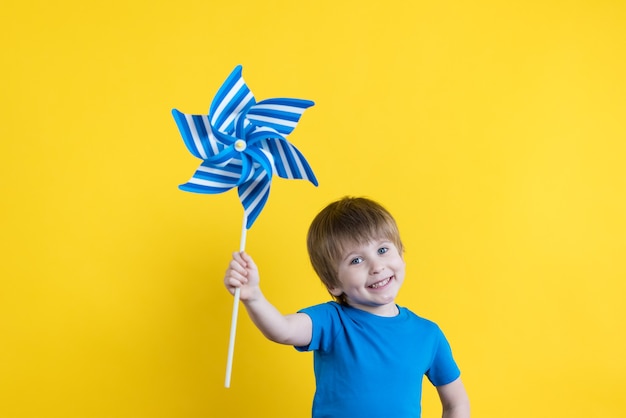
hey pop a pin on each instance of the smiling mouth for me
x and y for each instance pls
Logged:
(381, 283)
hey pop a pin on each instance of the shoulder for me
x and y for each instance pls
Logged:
(418, 321)
(322, 309)
(415, 317)
(332, 316)
(328, 320)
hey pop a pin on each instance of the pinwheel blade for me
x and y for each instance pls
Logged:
(253, 195)
(197, 134)
(281, 114)
(288, 161)
(232, 99)
(209, 179)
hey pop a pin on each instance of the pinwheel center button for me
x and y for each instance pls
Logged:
(240, 145)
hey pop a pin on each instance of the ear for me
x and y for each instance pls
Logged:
(335, 291)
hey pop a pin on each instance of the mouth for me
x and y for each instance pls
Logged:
(381, 283)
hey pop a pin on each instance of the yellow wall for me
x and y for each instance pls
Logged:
(493, 130)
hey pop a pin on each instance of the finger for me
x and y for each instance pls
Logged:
(238, 267)
(239, 275)
(237, 256)
(248, 260)
(234, 283)
(231, 289)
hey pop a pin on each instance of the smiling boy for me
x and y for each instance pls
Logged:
(370, 355)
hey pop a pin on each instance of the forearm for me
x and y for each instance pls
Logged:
(243, 275)
(459, 411)
(454, 400)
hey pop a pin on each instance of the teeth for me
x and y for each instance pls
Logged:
(379, 284)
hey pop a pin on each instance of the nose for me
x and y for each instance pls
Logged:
(376, 267)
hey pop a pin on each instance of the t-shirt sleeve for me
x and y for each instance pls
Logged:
(443, 368)
(322, 316)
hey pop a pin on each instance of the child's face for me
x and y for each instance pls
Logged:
(370, 276)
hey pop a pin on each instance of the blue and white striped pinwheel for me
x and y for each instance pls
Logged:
(242, 144)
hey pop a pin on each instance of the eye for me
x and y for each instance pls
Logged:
(383, 250)
(356, 260)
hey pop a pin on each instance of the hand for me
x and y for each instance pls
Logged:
(242, 273)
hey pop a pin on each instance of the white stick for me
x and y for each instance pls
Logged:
(233, 321)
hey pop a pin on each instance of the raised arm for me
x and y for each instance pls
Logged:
(294, 329)
(454, 400)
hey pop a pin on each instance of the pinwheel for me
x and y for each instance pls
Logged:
(242, 144)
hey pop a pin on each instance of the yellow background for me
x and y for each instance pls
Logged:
(494, 132)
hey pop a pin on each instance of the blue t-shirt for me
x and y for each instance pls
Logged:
(373, 366)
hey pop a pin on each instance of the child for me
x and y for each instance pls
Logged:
(370, 355)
